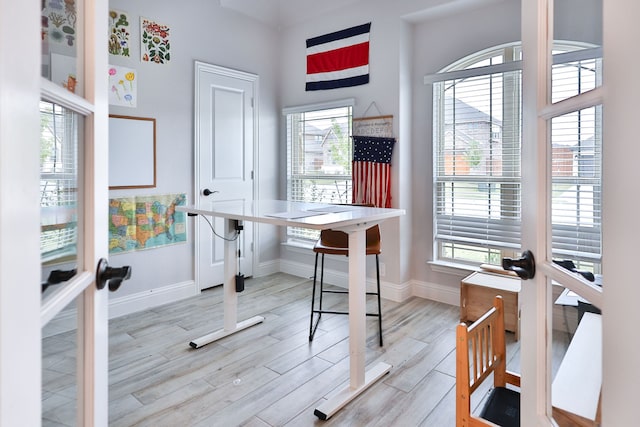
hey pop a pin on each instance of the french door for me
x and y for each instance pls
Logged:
(34, 100)
(541, 113)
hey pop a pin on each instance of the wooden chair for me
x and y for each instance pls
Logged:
(481, 351)
(332, 242)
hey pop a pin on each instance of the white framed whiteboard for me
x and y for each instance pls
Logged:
(132, 152)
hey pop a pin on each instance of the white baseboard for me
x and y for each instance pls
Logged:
(396, 292)
(433, 291)
(151, 298)
(267, 268)
(299, 269)
(390, 291)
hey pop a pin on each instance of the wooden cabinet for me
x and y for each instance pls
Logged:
(477, 291)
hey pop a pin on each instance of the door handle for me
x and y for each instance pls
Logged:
(58, 276)
(208, 192)
(524, 267)
(113, 275)
(569, 265)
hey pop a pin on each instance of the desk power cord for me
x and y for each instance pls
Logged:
(238, 226)
(213, 230)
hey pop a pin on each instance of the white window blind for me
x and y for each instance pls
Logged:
(576, 140)
(476, 140)
(477, 165)
(58, 182)
(319, 157)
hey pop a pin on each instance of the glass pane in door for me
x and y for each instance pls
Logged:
(59, 369)
(576, 234)
(577, 29)
(576, 350)
(575, 193)
(61, 33)
(60, 195)
(576, 180)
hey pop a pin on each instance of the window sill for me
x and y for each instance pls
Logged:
(298, 245)
(452, 268)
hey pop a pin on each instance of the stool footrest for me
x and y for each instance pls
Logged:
(341, 312)
(324, 291)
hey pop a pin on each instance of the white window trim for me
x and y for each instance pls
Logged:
(347, 102)
(562, 58)
(588, 98)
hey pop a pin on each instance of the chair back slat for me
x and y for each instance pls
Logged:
(480, 352)
(483, 355)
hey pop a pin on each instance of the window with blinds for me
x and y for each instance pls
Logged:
(477, 156)
(58, 182)
(319, 156)
(576, 170)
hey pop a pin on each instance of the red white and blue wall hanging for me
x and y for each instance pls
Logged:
(339, 59)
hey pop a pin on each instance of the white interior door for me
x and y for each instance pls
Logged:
(621, 372)
(19, 215)
(225, 136)
(539, 115)
(82, 139)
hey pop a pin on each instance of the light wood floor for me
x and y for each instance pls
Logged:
(270, 374)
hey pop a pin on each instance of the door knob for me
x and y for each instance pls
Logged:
(569, 265)
(58, 276)
(208, 192)
(113, 275)
(524, 267)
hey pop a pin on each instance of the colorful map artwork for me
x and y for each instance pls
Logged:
(146, 222)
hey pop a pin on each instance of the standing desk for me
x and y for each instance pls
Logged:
(353, 220)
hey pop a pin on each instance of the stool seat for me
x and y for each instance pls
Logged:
(333, 242)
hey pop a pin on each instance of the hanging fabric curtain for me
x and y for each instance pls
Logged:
(372, 170)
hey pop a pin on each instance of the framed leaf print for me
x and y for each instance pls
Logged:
(154, 42)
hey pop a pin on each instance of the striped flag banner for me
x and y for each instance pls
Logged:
(372, 170)
(339, 59)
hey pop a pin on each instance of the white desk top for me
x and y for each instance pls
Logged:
(297, 214)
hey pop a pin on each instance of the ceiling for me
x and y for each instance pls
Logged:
(283, 13)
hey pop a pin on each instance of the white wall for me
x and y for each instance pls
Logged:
(385, 86)
(440, 42)
(200, 30)
(407, 42)
(410, 39)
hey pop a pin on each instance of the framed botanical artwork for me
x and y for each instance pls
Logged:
(154, 42)
(59, 19)
(119, 33)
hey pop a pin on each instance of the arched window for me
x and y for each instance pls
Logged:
(477, 158)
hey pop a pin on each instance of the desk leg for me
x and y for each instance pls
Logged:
(359, 379)
(230, 296)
